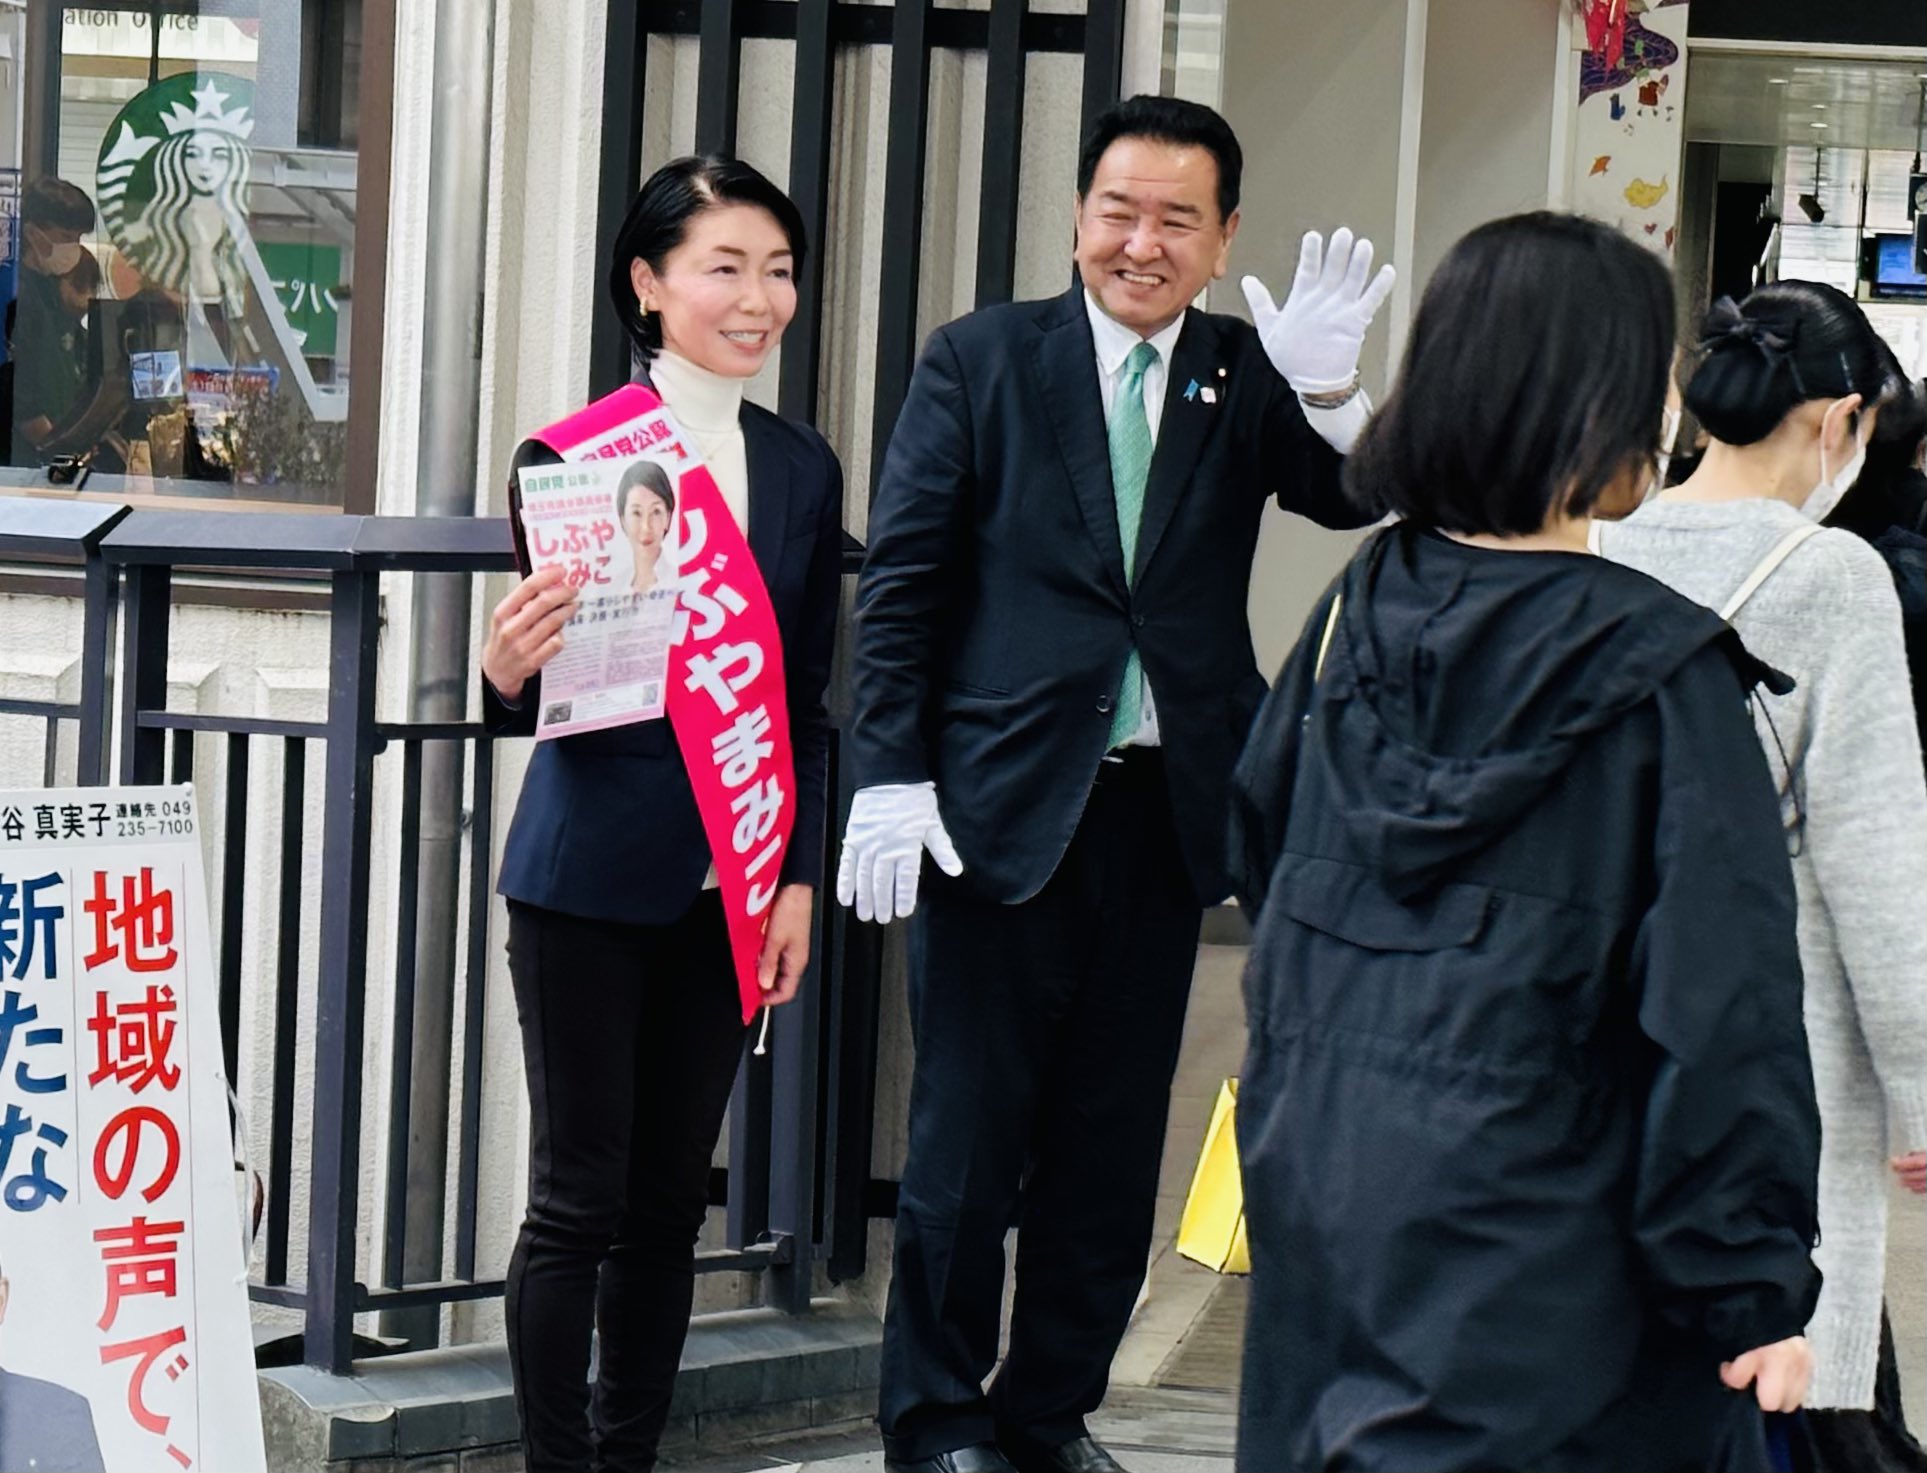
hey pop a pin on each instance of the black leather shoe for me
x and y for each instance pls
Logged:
(982, 1457)
(1084, 1455)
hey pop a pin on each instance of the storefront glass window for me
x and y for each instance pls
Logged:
(181, 182)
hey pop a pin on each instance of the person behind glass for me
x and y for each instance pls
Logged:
(1526, 1121)
(1791, 386)
(631, 1024)
(49, 375)
(647, 508)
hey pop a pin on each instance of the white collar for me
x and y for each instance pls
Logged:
(1114, 340)
(701, 400)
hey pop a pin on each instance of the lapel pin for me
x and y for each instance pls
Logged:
(1191, 392)
(1210, 396)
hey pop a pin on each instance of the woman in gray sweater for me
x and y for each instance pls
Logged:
(1788, 388)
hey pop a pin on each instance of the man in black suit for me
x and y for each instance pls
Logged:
(44, 1428)
(1052, 638)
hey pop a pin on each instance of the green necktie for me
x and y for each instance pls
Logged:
(1130, 436)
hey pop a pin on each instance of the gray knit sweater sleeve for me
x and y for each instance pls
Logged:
(1866, 806)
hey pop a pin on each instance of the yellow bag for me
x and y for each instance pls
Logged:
(1213, 1228)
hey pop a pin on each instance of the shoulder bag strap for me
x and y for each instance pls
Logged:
(1782, 550)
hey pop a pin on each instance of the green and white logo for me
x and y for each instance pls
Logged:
(173, 183)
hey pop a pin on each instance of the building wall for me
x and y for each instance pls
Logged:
(1318, 95)
(1409, 121)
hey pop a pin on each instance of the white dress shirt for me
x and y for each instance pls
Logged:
(1114, 344)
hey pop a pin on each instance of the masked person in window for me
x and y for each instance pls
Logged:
(632, 1028)
(48, 368)
(1527, 1123)
(1053, 653)
(1790, 386)
(43, 1427)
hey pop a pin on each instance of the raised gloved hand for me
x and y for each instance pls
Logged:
(890, 827)
(1314, 339)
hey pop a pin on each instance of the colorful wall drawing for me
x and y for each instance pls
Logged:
(1630, 132)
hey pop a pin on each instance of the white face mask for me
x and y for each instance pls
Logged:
(54, 260)
(1826, 496)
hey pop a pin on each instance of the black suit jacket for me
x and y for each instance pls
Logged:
(993, 617)
(607, 825)
(46, 1428)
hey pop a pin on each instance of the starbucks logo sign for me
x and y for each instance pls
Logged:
(173, 179)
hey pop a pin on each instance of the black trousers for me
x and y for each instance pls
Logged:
(1046, 1037)
(632, 1036)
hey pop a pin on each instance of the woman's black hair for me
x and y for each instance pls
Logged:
(1789, 343)
(651, 477)
(1534, 379)
(1891, 492)
(658, 222)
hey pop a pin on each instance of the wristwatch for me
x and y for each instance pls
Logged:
(1333, 398)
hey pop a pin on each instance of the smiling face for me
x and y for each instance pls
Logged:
(645, 519)
(726, 293)
(1149, 235)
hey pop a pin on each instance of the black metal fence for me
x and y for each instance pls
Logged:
(797, 1191)
(1008, 32)
(64, 537)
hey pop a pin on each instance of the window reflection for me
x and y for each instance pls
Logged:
(180, 318)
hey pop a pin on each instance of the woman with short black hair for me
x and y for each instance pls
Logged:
(1526, 1122)
(625, 987)
(646, 510)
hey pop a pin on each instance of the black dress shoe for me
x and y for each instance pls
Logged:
(1084, 1455)
(982, 1457)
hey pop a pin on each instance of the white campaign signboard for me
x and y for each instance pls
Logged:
(124, 1337)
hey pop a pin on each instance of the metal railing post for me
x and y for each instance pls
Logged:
(341, 993)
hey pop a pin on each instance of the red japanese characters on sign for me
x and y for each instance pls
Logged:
(133, 1025)
(119, 1234)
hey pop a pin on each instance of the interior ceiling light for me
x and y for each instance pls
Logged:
(1776, 81)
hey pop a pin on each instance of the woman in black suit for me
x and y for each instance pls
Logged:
(632, 1028)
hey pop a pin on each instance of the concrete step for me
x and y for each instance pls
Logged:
(746, 1376)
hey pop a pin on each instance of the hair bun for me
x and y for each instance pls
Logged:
(1746, 382)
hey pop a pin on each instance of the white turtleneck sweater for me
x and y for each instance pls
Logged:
(710, 407)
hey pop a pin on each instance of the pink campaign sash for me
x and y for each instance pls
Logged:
(726, 697)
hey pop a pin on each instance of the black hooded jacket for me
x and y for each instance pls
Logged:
(1527, 1123)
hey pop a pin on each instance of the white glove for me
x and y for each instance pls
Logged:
(1314, 340)
(890, 827)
